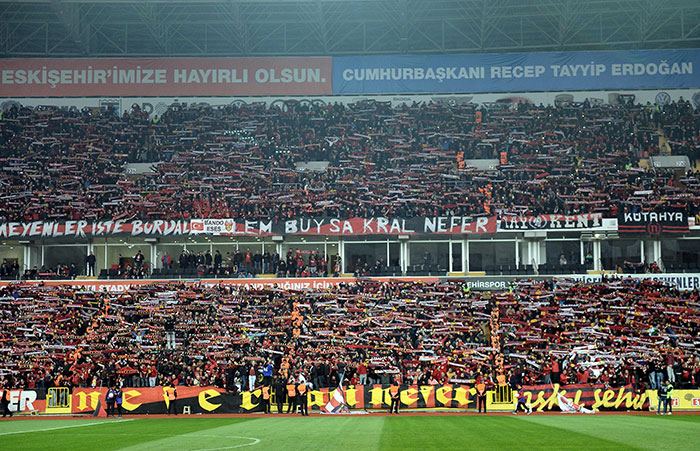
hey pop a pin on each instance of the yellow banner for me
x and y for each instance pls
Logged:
(680, 399)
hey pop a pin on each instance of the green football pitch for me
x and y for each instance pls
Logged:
(357, 433)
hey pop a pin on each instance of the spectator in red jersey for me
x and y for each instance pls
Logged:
(362, 373)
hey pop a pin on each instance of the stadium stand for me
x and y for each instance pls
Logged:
(404, 161)
(619, 332)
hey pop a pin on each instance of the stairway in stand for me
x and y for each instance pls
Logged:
(664, 146)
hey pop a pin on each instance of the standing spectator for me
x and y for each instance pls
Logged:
(267, 373)
(251, 377)
(670, 373)
(362, 372)
(248, 261)
(427, 259)
(257, 262)
(266, 259)
(138, 260)
(337, 267)
(184, 260)
(166, 261)
(208, 260)
(651, 368)
(229, 261)
(110, 399)
(91, 260)
(664, 399)
(562, 260)
(275, 262)
(119, 397)
(217, 262)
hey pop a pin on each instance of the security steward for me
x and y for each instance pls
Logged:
(303, 399)
(266, 397)
(171, 393)
(291, 396)
(394, 392)
(6, 403)
(280, 394)
(480, 397)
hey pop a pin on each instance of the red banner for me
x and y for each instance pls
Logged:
(81, 77)
(314, 226)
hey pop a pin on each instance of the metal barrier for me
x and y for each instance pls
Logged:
(58, 400)
(502, 394)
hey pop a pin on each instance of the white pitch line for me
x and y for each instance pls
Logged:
(65, 427)
(255, 442)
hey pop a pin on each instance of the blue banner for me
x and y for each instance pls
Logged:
(517, 72)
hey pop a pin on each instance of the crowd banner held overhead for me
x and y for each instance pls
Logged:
(350, 227)
(517, 72)
(305, 226)
(653, 223)
(179, 77)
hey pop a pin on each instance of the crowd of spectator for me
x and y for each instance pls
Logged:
(9, 270)
(243, 161)
(617, 332)
(629, 267)
(58, 272)
(247, 263)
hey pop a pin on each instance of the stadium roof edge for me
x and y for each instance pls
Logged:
(175, 1)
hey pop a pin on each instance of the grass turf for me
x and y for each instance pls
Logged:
(357, 433)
